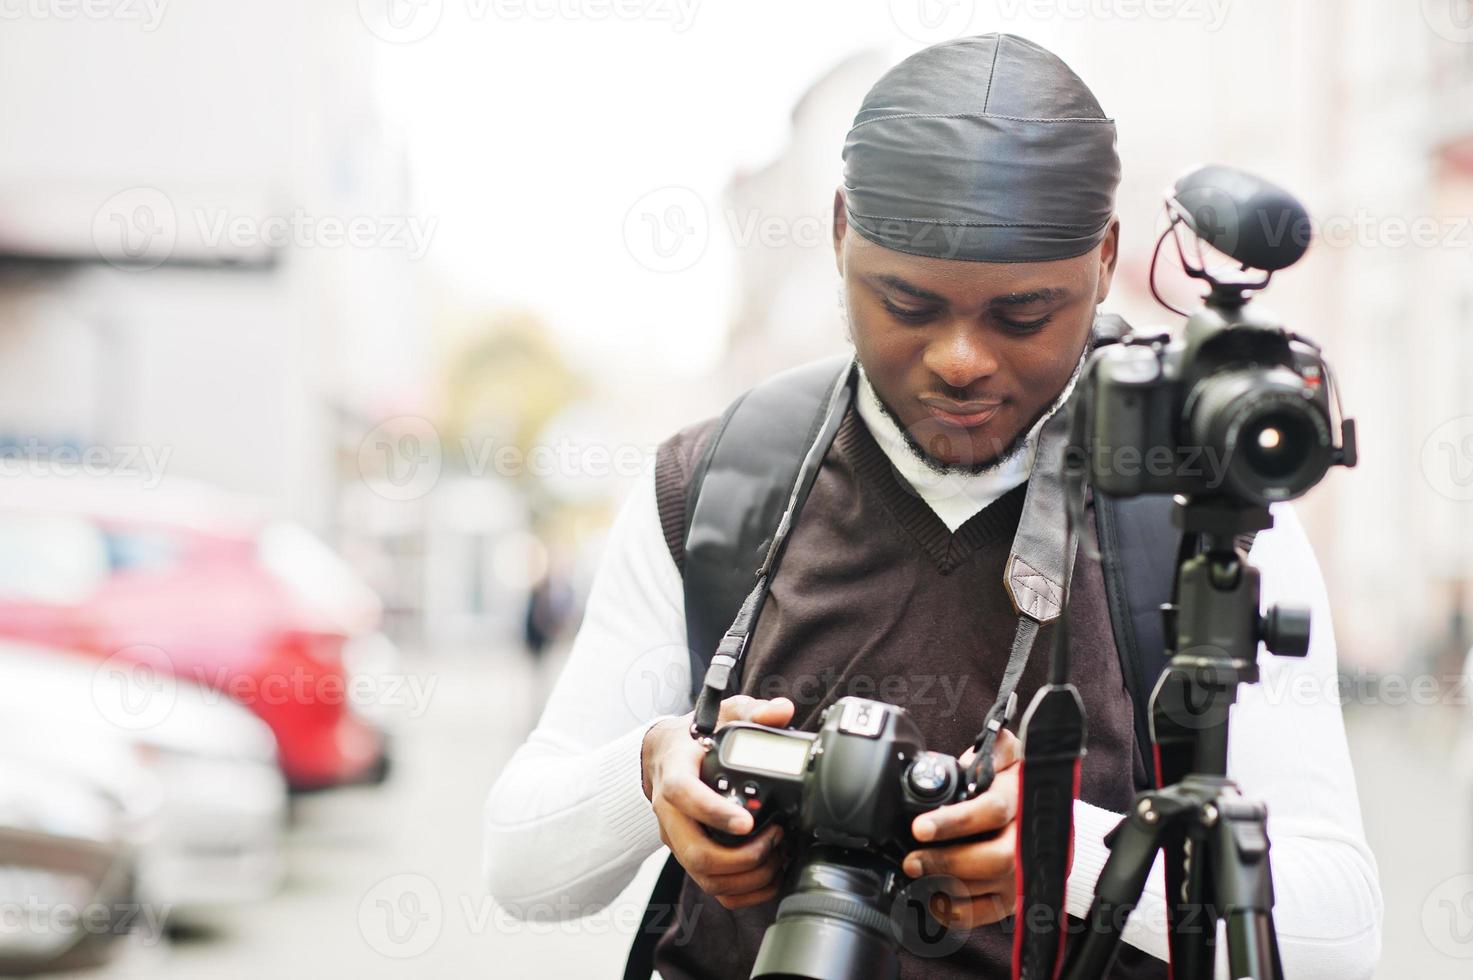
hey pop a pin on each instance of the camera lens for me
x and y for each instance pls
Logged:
(1275, 442)
(835, 924)
(1260, 432)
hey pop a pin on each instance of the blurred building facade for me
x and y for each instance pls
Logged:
(180, 273)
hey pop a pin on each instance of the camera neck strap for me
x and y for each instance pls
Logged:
(1052, 729)
(723, 669)
(1036, 578)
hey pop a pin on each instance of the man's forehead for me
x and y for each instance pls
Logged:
(959, 282)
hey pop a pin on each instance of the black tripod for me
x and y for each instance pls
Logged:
(1215, 841)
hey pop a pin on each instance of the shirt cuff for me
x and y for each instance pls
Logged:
(622, 804)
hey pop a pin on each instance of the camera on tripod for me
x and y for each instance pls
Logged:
(1237, 406)
(1236, 415)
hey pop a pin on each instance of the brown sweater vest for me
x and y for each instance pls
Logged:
(876, 598)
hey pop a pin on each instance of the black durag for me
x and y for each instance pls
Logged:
(986, 148)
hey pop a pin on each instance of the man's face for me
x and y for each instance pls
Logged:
(966, 356)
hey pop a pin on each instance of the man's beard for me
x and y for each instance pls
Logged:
(942, 468)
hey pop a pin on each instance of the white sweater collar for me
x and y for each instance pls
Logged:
(954, 497)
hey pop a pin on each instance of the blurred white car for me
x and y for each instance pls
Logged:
(221, 797)
(68, 886)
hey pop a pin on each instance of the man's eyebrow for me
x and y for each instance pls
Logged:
(908, 288)
(1046, 295)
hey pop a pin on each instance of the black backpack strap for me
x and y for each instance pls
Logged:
(655, 920)
(1138, 555)
(740, 487)
(738, 491)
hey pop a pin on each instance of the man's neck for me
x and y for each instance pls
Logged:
(954, 495)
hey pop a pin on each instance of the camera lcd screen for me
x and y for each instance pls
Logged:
(748, 749)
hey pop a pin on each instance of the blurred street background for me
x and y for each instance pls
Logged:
(333, 333)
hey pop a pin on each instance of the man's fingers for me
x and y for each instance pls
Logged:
(741, 707)
(744, 883)
(972, 911)
(990, 811)
(1006, 751)
(777, 713)
(735, 708)
(986, 860)
(701, 856)
(700, 802)
(752, 898)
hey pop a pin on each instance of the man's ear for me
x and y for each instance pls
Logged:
(1109, 255)
(840, 226)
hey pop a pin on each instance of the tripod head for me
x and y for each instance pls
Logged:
(1213, 628)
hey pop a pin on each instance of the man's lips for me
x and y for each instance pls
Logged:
(963, 415)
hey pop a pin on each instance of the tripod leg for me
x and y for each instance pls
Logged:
(1133, 845)
(1252, 949)
(1191, 919)
(1245, 889)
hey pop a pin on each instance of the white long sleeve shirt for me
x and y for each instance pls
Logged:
(567, 824)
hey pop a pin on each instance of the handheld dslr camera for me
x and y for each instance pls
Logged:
(848, 793)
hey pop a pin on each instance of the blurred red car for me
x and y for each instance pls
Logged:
(187, 580)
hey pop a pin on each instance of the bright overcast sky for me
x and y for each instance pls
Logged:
(533, 138)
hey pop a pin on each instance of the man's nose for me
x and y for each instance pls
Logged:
(960, 356)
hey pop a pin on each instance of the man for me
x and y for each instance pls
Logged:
(975, 236)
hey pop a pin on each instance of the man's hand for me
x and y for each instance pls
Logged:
(736, 876)
(985, 890)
